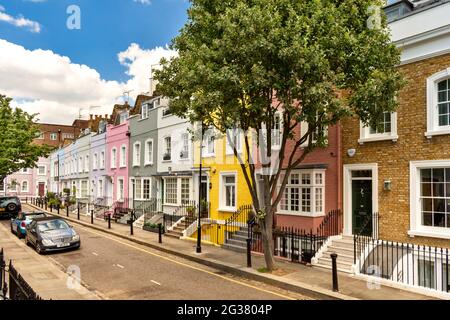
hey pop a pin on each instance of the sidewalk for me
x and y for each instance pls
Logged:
(46, 278)
(313, 282)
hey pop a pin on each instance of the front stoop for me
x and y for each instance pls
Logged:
(343, 247)
(237, 241)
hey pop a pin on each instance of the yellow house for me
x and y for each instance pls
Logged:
(223, 183)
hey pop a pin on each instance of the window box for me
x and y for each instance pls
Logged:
(166, 157)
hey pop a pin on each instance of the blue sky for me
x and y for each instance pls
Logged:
(107, 27)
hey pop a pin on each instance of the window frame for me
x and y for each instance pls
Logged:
(102, 160)
(123, 156)
(209, 138)
(433, 127)
(113, 162)
(239, 137)
(45, 170)
(136, 156)
(95, 162)
(367, 136)
(416, 227)
(222, 191)
(27, 184)
(147, 160)
(185, 146)
(120, 194)
(166, 150)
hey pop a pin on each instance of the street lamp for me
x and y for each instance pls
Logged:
(199, 225)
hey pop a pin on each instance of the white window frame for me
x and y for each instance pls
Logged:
(144, 111)
(185, 144)
(114, 158)
(209, 138)
(433, 128)
(136, 156)
(416, 228)
(80, 165)
(229, 148)
(123, 156)
(53, 136)
(177, 192)
(86, 163)
(45, 170)
(222, 191)
(164, 145)
(147, 160)
(82, 194)
(22, 184)
(149, 188)
(100, 188)
(304, 126)
(279, 115)
(120, 194)
(366, 136)
(95, 161)
(102, 160)
(312, 186)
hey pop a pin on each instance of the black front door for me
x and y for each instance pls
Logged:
(362, 207)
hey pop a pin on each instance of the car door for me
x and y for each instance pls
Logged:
(32, 232)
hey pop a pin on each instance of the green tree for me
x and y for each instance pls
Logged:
(241, 61)
(18, 130)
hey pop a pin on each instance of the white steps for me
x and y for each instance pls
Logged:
(343, 247)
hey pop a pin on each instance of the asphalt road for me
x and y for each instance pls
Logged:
(120, 269)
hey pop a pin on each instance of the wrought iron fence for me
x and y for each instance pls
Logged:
(404, 263)
(295, 244)
(18, 288)
(239, 220)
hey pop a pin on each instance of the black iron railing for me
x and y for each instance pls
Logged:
(238, 221)
(405, 263)
(295, 244)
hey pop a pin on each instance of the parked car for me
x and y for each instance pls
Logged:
(19, 224)
(51, 234)
(9, 207)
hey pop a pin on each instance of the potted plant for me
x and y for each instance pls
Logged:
(152, 227)
(204, 207)
(190, 211)
(166, 156)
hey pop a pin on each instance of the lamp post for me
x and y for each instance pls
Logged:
(199, 225)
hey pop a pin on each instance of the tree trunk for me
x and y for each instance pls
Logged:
(267, 241)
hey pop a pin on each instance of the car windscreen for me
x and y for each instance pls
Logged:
(34, 216)
(49, 225)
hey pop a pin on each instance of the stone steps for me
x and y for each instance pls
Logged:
(343, 247)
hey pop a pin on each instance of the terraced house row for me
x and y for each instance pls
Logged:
(392, 186)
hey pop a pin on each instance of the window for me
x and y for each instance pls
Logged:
(438, 104)
(102, 160)
(167, 112)
(146, 189)
(320, 131)
(123, 117)
(53, 136)
(430, 198)
(235, 136)
(86, 163)
(113, 158)
(24, 170)
(209, 142)
(137, 154)
(42, 170)
(276, 131)
(138, 188)
(184, 153)
(387, 130)
(40, 135)
(144, 111)
(84, 189)
(95, 162)
(171, 191)
(67, 136)
(80, 165)
(100, 189)
(185, 190)
(149, 152)
(425, 272)
(304, 193)
(228, 191)
(24, 186)
(2, 185)
(435, 197)
(123, 156)
(120, 189)
(167, 156)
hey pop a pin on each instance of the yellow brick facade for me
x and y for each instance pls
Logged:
(393, 158)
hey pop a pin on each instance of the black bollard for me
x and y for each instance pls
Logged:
(78, 211)
(335, 274)
(131, 224)
(92, 216)
(159, 233)
(45, 203)
(51, 208)
(67, 210)
(249, 253)
(109, 220)
(26, 200)
(57, 208)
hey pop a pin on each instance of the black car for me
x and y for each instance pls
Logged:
(9, 207)
(51, 234)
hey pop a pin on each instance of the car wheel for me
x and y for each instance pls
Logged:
(38, 248)
(12, 207)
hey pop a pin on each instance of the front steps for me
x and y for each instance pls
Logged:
(237, 241)
(343, 247)
(178, 228)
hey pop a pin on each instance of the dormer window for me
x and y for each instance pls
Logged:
(144, 111)
(438, 104)
(123, 117)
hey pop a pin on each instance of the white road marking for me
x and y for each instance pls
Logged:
(155, 282)
(95, 253)
(119, 266)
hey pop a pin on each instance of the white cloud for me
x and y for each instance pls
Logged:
(44, 82)
(146, 2)
(19, 21)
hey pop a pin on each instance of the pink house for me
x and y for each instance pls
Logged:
(117, 141)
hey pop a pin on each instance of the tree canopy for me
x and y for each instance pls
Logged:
(241, 61)
(17, 132)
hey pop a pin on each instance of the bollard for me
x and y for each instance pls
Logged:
(159, 233)
(26, 200)
(78, 211)
(92, 216)
(57, 208)
(45, 204)
(249, 253)
(131, 224)
(109, 220)
(335, 274)
(51, 208)
(67, 210)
